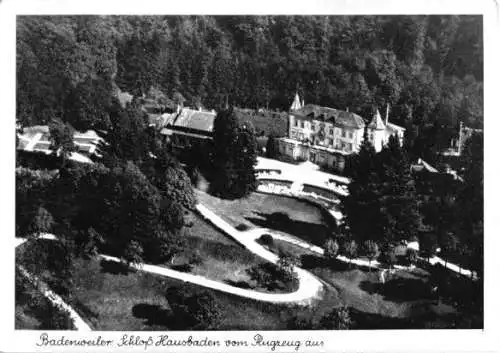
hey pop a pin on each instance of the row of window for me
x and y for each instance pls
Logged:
(344, 133)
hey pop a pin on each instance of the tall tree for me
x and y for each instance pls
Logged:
(127, 137)
(234, 157)
(362, 207)
(399, 199)
(61, 136)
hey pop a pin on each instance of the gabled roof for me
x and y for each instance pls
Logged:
(377, 123)
(331, 115)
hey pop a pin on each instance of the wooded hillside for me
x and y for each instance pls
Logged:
(429, 68)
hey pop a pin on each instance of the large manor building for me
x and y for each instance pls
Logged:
(325, 136)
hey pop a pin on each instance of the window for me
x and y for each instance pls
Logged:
(313, 127)
(331, 132)
(343, 133)
(350, 134)
(296, 123)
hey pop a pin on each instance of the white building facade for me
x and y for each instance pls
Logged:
(325, 136)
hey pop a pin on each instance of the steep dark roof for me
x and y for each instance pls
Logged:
(337, 117)
(377, 123)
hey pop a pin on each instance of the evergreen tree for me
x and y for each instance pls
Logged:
(61, 136)
(389, 255)
(362, 207)
(398, 196)
(331, 248)
(271, 147)
(234, 157)
(127, 138)
(349, 248)
(372, 251)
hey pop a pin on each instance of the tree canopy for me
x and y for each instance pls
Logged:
(234, 156)
(428, 68)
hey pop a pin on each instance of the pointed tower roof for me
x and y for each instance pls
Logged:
(377, 123)
(296, 105)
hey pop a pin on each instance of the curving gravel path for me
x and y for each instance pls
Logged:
(309, 288)
(257, 232)
(55, 299)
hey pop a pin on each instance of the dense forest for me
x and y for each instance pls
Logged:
(429, 69)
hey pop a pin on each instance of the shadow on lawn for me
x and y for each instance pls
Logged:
(280, 221)
(239, 284)
(115, 268)
(400, 289)
(370, 321)
(182, 268)
(154, 315)
(315, 261)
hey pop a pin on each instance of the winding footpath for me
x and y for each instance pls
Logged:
(310, 288)
(56, 300)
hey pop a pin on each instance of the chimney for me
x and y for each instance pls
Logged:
(387, 114)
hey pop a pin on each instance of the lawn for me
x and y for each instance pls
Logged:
(110, 297)
(280, 213)
(222, 259)
(405, 300)
(115, 299)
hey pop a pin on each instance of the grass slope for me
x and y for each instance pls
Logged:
(115, 299)
(222, 259)
(280, 213)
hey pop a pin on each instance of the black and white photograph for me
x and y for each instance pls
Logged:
(248, 172)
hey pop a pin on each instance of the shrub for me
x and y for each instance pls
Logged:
(262, 276)
(349, 248)
(266, 239)
(242, 227)
(286, 264)
(389, 255)
(338, 319)
(133, 252)
(271, 277)
(331, 248)
(199, 311)
(411, 256)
